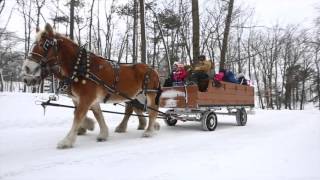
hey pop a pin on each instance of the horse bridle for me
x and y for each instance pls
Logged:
(43, 60)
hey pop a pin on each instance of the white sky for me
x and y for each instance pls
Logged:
(267, 12)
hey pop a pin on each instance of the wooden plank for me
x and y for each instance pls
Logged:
(226, 94)
(225, 98)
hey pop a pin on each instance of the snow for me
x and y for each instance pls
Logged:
(172, 94)
(274, 145)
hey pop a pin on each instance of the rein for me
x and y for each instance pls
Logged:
(49, 103)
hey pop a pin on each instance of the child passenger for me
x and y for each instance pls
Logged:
(179, 74)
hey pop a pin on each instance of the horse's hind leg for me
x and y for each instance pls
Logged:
(79, 115)
(86, 124)
(153, 125)
(142, 120)
(122, 127)
(104, 133)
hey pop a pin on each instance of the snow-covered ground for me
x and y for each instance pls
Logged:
(274, 145)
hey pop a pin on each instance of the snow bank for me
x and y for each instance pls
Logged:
(274, 145)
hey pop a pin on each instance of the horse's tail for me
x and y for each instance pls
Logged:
(153, 82)
(159, 92)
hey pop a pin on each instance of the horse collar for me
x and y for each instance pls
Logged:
(81, 69)
(82, 66)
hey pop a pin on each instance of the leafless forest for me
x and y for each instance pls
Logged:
(282, 60)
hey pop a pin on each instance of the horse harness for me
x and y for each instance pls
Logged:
(44, 62)
(82, 70)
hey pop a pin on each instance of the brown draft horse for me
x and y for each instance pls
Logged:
(55, 54)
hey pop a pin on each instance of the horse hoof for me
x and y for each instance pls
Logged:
(120, 130)
(88, 124)
(140, 128)
(99, 139)
(64, 145)
(157, 126)
(102, 137)
(147, 134)
(81, 131)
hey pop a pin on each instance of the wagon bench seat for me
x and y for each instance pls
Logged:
(228, 94)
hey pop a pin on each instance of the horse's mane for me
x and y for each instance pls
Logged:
(56, 35)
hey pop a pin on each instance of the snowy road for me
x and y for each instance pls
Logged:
(274, 145)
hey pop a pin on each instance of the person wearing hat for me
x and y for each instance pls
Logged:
(202, 65)
(201, 71)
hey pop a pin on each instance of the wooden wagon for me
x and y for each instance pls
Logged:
(187, 103)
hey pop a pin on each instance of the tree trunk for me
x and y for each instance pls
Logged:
(90, 24)
(195, 29)
(258, 83)
(134, 35)
(39, 6)
(163, 40)
(318, 76)
(72, 2)
(99, 50)
(302, 97)
(11, 82)
(155, 41)
(143, 33)
(276, 87)
(1, 81)
(225, 36)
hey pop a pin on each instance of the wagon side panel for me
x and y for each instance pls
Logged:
(228, 94)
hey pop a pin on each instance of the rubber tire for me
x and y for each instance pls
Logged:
(209, 121)
(170, 121)
(241, 117)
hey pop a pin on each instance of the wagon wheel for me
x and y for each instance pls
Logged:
(209, 121)
(169, 120)
(241, 117)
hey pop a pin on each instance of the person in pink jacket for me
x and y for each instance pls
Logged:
(179, 74)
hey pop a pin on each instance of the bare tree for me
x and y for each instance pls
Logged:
(143, 32)
(26, 13)
(195, 29)
(109, 31)
(134, 34)
(39, 5)
(2, 5)
(90, 25)
(71, 17)
(226, 35)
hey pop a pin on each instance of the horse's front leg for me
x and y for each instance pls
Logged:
(104, 133)
(79, 115)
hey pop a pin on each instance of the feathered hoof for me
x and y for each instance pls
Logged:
(64, 144)
(88, 124)
(100, 139)
(156, 126)
(81, 131)
(141, 128)
(120, 130)
(147, 134)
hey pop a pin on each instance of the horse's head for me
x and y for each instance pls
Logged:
(41, 58)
